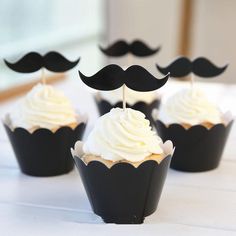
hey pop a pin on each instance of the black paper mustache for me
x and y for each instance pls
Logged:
(33, 61)
(113, 77)
(200, 66)
(121, 48)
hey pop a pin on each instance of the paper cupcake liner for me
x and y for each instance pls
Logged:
(43, 152)
(197, 148)
(123, 194)
(104, 107)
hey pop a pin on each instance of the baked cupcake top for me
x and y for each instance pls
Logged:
(131, 96)
(43, 107)
(123, 135)
(189, 106)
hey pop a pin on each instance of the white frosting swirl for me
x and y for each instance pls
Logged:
(131, 96)
(43, 107)
(189, 106)
(123, 135)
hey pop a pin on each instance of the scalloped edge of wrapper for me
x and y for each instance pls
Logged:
(43, 152)
(167, 147)
(123, 193)
(80, 118)
(198, 148)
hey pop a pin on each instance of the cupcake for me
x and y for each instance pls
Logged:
(196, 126)
(141, 101)
(42, 128)
(123, 166)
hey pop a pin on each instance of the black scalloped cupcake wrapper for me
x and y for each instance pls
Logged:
(43, 152)
(104, 107)
(197, 148)
(123, 194)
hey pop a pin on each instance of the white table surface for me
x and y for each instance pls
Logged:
(191, 203)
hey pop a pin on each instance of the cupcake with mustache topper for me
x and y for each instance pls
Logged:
(196, 126)
(123, 163)
(142, 101)
(43, 125)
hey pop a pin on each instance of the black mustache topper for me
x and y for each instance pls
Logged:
(201, 66)
(33, 61)
(121, 48)
(113, 77)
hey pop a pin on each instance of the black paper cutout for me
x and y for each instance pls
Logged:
(197, 148)
(44, 153)
(33, 61)
(104, 107)
(121, 48)
(134, 77)
(123, 194)
(201, 66)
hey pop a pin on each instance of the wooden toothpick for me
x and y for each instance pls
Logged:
(130, 59)
(192, 80)
(43, 77)
(124, 98)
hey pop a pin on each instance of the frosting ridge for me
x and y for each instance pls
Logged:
(123, 135)
(189, 106)
(43, 107)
